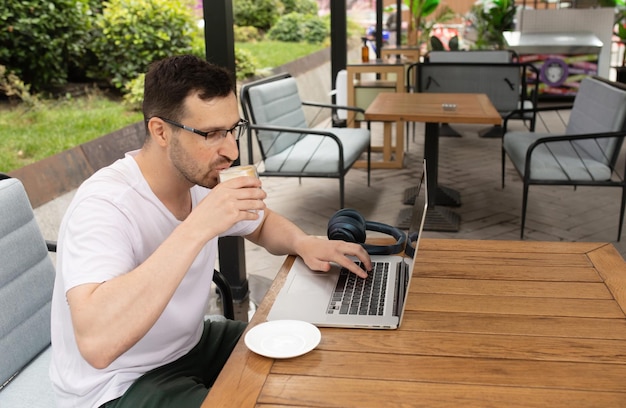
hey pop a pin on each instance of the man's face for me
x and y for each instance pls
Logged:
(199, 159)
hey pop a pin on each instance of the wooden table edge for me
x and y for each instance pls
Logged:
(612, 268)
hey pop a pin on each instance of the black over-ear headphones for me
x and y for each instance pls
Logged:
(348, 225)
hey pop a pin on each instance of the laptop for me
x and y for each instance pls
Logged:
(317, 297)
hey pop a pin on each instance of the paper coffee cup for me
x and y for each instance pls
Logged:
(238, 171)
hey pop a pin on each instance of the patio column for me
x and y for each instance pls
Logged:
(220, 49)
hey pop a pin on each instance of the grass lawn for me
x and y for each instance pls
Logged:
(31, 135)
(270, 54)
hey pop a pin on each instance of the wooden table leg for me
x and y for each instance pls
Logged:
(393, 154)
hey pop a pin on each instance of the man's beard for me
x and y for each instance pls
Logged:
(187, 168)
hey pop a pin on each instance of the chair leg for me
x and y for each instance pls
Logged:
(369, 164)
(369, 155)
(406, 136)
(503, 165)
(524, 205)
(341, 187)
(621, 214)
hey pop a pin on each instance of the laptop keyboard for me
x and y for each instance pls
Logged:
(358, 296)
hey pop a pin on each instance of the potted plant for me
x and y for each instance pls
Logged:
(491, 18)
(419, 28)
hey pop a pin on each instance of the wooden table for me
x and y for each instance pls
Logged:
(488, 324)
(382, 68)
(428, 108)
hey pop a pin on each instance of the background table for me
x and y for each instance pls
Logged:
(428, 108)
(488, 324)
(392, 76)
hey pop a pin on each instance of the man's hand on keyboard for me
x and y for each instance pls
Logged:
(319, 253)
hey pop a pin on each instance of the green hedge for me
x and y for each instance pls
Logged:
(130, 34)
(42, 41)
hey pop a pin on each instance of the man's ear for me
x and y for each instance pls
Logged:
(159, 132)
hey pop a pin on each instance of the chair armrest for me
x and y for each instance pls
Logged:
(554, 107)
(304, 131)
(561, 138)
(52, 246)
(331, 106)
(226, 293)
(533, 110)
(565, 138)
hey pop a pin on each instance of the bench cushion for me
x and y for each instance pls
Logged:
(32, 387)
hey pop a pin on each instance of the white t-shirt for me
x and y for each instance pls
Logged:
(112, 225)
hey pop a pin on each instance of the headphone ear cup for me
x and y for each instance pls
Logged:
(397, 234)
(347, 225)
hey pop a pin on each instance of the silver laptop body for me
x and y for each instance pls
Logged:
(308, 295)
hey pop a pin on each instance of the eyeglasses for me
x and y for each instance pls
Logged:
(216, 135)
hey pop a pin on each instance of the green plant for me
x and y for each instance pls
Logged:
(619, 25)
(295, 27)
(420, 9)
(491, 18)
(42, 40)
(246, 34)
(133, 93)
(133, 33)
(261, 14)
(245, 63)
(13, 87)
(300, 6)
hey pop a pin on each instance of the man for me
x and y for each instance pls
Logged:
(138, 244)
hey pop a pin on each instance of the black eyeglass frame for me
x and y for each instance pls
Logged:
(212, 135)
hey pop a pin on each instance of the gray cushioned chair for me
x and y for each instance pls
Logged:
(587, 152)
(26, 282)
(289, 147)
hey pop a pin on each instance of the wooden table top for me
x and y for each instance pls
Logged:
(428, 107)
(488, 324)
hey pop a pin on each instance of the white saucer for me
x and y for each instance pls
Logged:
(283, 338)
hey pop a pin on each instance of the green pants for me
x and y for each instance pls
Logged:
(184, 383)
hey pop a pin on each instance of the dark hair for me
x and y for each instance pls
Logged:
(169, 81)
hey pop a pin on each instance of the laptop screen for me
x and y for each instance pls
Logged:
(419, 215)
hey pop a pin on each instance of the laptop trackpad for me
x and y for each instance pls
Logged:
(307, 282)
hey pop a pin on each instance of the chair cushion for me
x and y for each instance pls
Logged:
(553, 161)
(314, 154)
(26, 282)
(32, 387)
